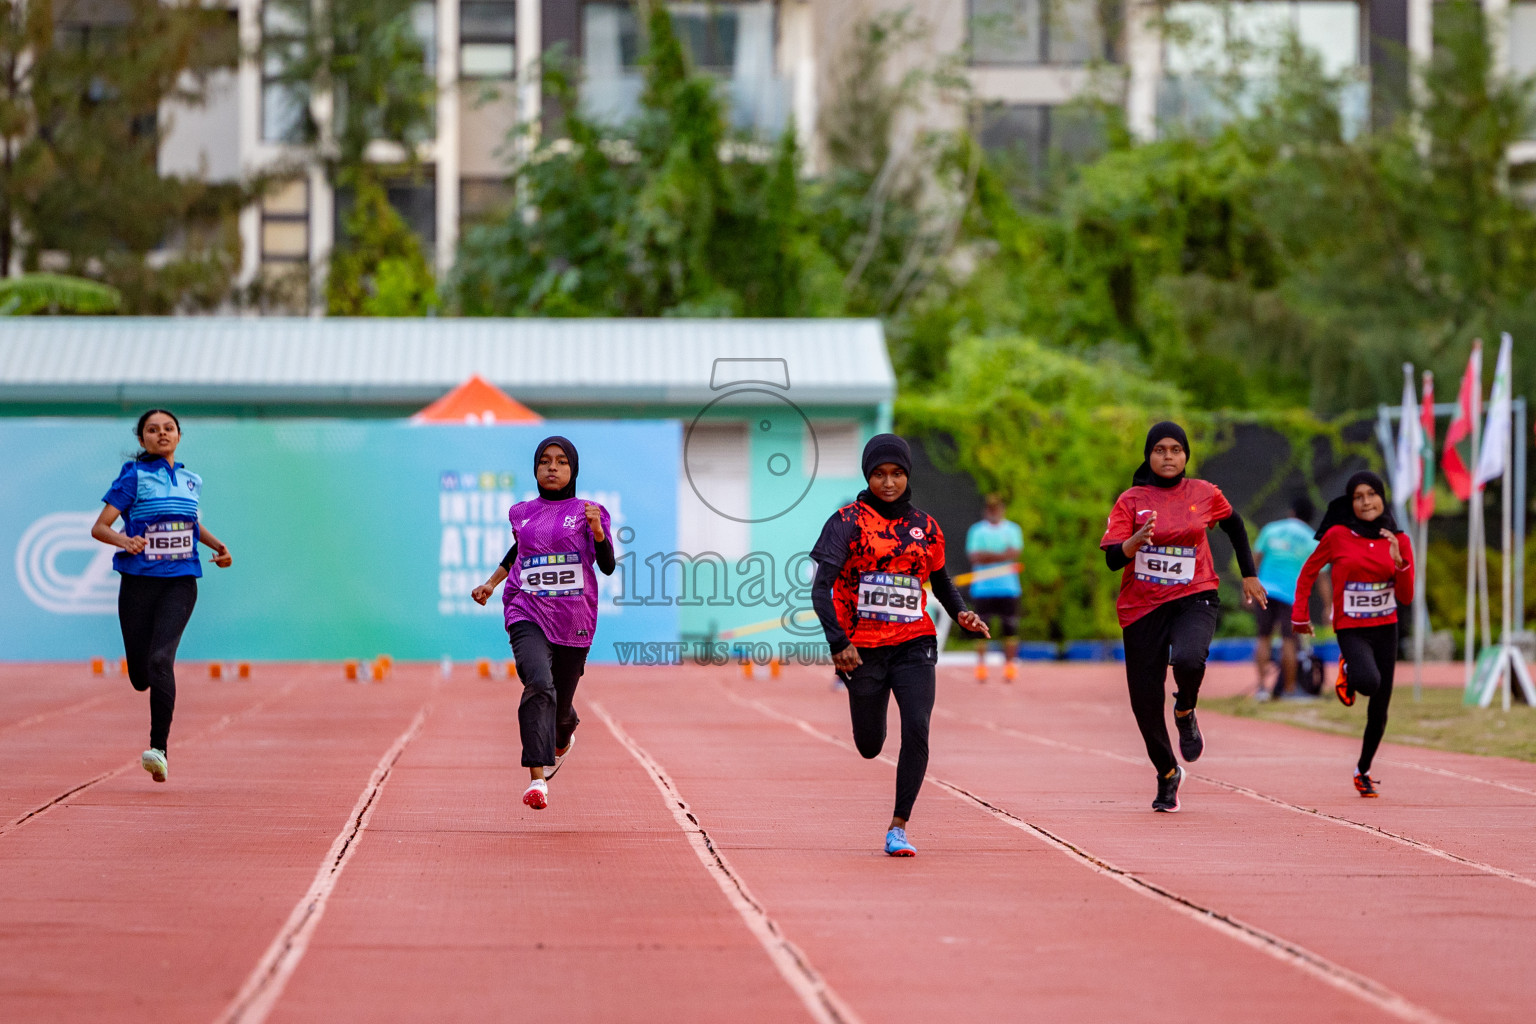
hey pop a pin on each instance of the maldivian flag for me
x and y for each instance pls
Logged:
(1469, 405)
(1424, 503)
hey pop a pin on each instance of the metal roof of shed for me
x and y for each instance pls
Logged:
(338, 361)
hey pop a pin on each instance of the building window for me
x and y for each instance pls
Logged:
(483, 198)
(1030, 136)
(285, 244)
(1207, 46)
(1066, 32)
(734, 42)
(284, 103)
(488, 39)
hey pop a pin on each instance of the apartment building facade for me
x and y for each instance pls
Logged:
(778, 62)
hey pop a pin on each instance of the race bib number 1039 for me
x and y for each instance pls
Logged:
(890, 597)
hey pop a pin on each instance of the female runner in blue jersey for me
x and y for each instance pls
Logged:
(157, 499)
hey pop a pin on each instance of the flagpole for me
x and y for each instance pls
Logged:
(1506, 624)
(1474, 503)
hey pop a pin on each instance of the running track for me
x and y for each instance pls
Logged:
(326, 851)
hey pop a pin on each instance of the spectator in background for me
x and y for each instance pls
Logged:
(1280, 552)
(993, 547)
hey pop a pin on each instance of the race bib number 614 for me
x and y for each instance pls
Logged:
(1165, 565)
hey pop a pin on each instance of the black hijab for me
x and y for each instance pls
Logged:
(1341, 510)
(880, 449)
(569, 490)
(1144, 474)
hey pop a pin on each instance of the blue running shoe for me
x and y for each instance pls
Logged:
(896, 844)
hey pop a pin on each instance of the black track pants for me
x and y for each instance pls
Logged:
(1370, 652)
(545, 716)
(1177, 633)
(153, 611)
(906, 671)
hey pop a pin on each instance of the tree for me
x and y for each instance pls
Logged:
(55, 293)
(79, 96)
(365, 71)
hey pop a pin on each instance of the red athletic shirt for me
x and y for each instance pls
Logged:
(879, 593)
(1177, 562)
(1367, 585)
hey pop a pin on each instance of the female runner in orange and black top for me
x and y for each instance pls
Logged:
(872, 559)
(1167, 604)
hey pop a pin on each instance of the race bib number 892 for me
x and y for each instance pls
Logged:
(552, 575)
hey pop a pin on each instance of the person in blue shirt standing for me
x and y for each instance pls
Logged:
(1280, 552)
(993, 547)
(157, 499)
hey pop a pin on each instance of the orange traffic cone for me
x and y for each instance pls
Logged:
(483, 668)
(215, 670)
(351, 668)
(98, 666)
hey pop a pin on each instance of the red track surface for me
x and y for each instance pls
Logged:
(327, 851)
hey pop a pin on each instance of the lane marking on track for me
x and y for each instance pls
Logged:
(1253, 794)
(824, 1005)
(195, 738)
(1275, 946)
(265, 984)
(1431, 769)
(43, 716)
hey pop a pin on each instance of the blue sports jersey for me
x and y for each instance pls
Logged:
(159, 503)
(995, 538)
(1285, 545)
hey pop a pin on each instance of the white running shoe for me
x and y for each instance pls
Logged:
(537, 794)
(154, 762)
(549, 772)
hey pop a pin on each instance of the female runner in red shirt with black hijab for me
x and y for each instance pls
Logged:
(1372, 568)
(1168, 604)
(871, 561)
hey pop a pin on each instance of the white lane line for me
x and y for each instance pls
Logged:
(43, 716)
(1315, 964)
(823, 1004)
(266, 982)
(197, 737)
(1431, 769)
(1253, 794)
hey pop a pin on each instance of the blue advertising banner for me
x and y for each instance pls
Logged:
(350, 538)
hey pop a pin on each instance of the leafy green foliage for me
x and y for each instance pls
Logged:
(378, 268)
(1055, 433)
(649, 218)
(56, 293)
(78, 163)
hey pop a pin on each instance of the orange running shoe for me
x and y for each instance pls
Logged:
(1010, 672)
(981, 673)
(1341, 687)
(1365, 785)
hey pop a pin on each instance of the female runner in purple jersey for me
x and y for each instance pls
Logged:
(551, 606)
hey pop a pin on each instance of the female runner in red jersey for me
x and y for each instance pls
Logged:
(871, 561)
(1372, 573)
(1168, 604)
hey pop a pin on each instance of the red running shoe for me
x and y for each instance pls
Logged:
(1341, 687)
(1365, 785)
(537, 794)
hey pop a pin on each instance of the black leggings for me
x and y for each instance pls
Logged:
(905, 670)
(1176, 633)
(545, 716)
(1370, 654)
(153, 611)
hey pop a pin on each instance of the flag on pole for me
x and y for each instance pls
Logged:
(1468, 402)
(1424, 504)
(1405, 469)
(1494, 458)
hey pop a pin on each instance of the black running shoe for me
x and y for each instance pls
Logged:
(1191, 743)
(1168, 791)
